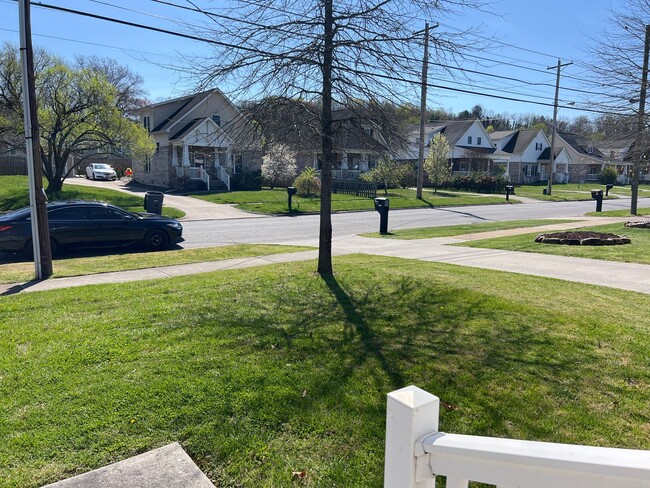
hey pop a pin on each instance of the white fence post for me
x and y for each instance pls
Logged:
(411, 413)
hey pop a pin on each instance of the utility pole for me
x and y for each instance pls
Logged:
(423, 111)
(551, 169)
(37, 199)
(638, 149)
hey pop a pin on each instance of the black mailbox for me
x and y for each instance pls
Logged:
(608, 187)
(153, 202)
(598, 196)
(291, 191)
(382, 205)
(510, 189)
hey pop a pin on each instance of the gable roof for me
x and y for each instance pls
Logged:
(188, 104)
(501, 134)
(580, 144)
(520, 141)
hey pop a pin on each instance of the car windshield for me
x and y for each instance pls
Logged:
(16, 214)
(102, 166)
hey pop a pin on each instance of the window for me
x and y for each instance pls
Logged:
(71, 213)
(369, 131)
(469, 139)
(157, 147)
(101, 213)
(478, 141)
(531, 171)
(238, 163)
(147, 164)
(538, 146)
(146, 122)
(593, 170)
(217, 119)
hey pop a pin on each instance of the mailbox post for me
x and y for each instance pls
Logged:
(382, 206)
(598, 196)
(509, 189)
(291, 191)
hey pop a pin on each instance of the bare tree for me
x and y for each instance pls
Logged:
(618, 65)
(340, 54)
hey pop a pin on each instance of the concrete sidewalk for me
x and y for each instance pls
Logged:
(625, 276)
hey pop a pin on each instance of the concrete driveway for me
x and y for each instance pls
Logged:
(194, 208)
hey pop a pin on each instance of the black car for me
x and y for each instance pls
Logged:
(79, 224)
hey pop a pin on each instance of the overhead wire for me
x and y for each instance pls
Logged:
(239, 47)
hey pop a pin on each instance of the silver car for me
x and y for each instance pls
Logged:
(100, 171)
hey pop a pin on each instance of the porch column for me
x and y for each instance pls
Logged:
(315, 161)
(363, 164)
(344, 161)
(174, 155)
(217, 162)
(508, 168)
(186, 155)
(229, 161)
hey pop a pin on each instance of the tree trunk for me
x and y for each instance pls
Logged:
(325, 236)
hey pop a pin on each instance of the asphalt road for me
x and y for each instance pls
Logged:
(304, 229)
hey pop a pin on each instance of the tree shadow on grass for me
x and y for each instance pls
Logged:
(355, 323)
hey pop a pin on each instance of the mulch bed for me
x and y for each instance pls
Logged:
(583, 238)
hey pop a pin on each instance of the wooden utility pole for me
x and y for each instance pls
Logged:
(423, 111)
(551, 169)
(640, 125)
(37, 199)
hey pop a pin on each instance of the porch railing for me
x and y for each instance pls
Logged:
(223, 175)
(416, 453)
(194, 173)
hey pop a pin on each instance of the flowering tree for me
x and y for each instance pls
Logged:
(437, 163)
(279, 164)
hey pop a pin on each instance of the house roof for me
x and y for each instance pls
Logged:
(546, 153)
(188, 104)
(520, 141)
(500, 134)
(453, 129)
(580, 145)
(193, 124)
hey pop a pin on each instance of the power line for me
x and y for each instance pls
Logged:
(239, 47)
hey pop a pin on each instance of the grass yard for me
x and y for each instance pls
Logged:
(270, 370)
(562, 192)
(642, 212)
(275, 201)
(79, 266)
(636, 252)
(14, 195)
(457, 230)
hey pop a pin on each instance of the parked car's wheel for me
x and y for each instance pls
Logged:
(28, 249)
(156, 240)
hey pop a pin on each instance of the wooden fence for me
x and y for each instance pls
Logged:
(13, 165)
(355, 187)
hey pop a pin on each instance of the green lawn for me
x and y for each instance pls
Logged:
(621, 213)
(14, 195)
(275, 201)
(457, 230)
(79, 266)
(270, 370)
(562, 192)
(636, 252)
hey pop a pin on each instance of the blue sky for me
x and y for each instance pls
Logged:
(532, 34)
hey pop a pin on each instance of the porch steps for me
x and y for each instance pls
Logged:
(218, 186)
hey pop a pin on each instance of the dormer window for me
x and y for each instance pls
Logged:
(216, 119)
(369, 131)
(146, 122)
(590, 149)
(478, 141)
(538, 146)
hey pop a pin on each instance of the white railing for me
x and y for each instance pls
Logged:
(416, 452)
(223, 175)
(198, 173)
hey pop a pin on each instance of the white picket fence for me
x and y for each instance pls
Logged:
(416, 453)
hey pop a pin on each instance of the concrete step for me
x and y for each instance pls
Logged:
(167, 466)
